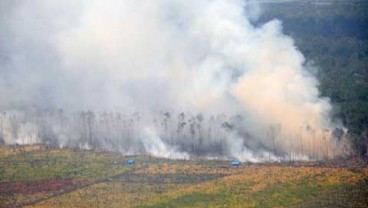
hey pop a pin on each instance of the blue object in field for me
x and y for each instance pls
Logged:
(129, 162)
(235, 163)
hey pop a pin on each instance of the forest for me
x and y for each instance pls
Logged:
(333, 36)
(226, 103)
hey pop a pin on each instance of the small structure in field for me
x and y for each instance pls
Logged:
(235, 163)
(129, 162)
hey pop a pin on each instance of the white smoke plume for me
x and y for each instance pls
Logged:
(245, 91)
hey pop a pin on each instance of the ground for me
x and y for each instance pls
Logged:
(35, 176)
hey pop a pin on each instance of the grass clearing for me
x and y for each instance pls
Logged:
(57, 163)
(153, 182)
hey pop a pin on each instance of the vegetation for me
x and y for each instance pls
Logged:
(150, 182)
(31, 173)
(43, 164)
(332, 36)
(247, 186)
(334, 39)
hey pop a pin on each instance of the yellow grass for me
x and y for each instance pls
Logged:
(219, 185)
(241, 184)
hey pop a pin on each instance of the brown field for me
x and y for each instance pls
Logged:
(37, 177)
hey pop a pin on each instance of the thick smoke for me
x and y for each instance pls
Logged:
(168, 78)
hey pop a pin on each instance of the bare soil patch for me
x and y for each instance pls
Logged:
(32, 187)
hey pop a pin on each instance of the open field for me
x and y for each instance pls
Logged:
(34, 176)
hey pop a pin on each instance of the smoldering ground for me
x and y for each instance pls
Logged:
(167, 78)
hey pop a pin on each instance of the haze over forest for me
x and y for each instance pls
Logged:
(181, 79)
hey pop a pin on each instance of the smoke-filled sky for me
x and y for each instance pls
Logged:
(199, 56)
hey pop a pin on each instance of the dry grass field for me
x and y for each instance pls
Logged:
(34, 176)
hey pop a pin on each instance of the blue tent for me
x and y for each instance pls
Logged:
(129, 162)
(235, 163)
